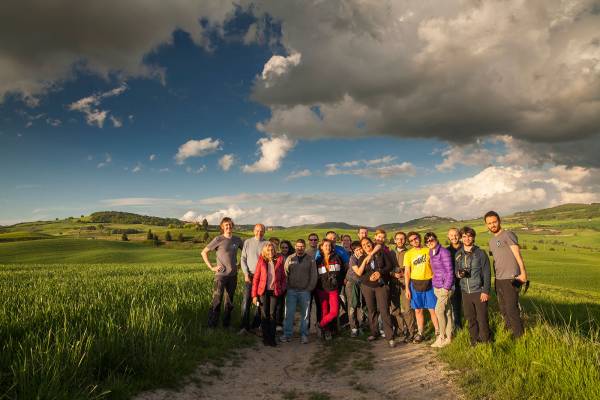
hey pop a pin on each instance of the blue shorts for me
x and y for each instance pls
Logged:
(422, 299)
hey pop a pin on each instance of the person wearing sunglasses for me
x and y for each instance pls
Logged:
(417, 278)
(443, 287)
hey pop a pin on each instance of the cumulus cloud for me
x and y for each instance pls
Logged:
(90, 107)
(41, 47)
(272, 151)
(137, 168)
(226, 162)
(425, 69)
(152, 157)
(298, 174)
(197, 148)
(380, 168)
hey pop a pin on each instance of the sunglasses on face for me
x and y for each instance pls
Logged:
(313, 240)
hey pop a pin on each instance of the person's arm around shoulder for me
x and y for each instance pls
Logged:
(516, 250)
(287, 264)
(486, 273)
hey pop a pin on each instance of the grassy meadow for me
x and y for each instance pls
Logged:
(85, 315)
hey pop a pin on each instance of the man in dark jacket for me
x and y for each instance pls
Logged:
(473, 269)
(301, 272)
(455, 245)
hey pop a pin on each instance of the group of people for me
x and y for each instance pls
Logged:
(366, 283)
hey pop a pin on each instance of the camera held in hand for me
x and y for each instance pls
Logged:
(380, 282)
(464, 273)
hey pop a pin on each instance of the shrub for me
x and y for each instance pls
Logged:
(150, 236)
(534, 247)
(168, 237)
(180, 237)
(124, 237)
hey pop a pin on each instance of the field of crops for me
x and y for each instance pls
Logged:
(90, 330)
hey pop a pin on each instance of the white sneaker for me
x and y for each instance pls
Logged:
(304, 340)
(445, 342)
(382, 333)
(438, 342)
(354, 332)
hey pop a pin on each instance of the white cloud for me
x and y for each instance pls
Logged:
(272, 151)
(195, 171)
(469, 154)
(298, 174)
(152, 157)
(90, 107)
(117, 123)
(137, 168)
(107, 160)
(379, 167)
(55, 122)
(197, 148)
(278, 66)
(226, 162)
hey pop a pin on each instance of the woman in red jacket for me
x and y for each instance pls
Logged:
(268, 285)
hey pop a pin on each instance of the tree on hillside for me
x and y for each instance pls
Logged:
(168, 237)
(124, 237)
(156, 240)
(149, 236)
(180, 237)
(205, 224)
(206, 237)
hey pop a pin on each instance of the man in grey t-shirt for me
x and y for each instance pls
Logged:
(250, 253)
(226, 246)
(509, 270)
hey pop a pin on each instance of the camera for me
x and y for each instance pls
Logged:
(380, 282)
(464, 273)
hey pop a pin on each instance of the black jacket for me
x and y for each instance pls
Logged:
(383, 264)
(330, 279)
(478, 262)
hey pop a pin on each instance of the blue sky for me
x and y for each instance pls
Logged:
(316, 130)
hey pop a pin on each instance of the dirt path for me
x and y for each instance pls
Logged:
(348, 369)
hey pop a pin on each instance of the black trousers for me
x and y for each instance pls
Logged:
(508, 302)
(314, 298)
(476, 314)
(280, 310)
(457, 305)
(378, 300)
(247, 309)
(268, 307)
(224, 287)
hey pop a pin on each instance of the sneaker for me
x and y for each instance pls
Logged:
(392, 343)
(284, 339)
(304, 340)
(328, 336)
(382, 334)
(445, 342)
(243, 331)
(438, 342)
(371, 338)
(354, 333)
(279, 329)
(418, 338)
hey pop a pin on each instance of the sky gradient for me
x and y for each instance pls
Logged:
(288, 113)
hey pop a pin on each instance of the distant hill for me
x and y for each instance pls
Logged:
(417, 223)
(117, 217)
(571, 211)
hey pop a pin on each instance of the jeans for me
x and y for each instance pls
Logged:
(292, 299)
(247, 307)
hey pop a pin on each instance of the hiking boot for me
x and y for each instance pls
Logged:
(354, 333)
(392, 343)
(304, 339)
(284, 339)
(418, 338)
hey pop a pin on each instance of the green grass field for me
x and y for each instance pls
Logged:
(88, 318)
(71, 331)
